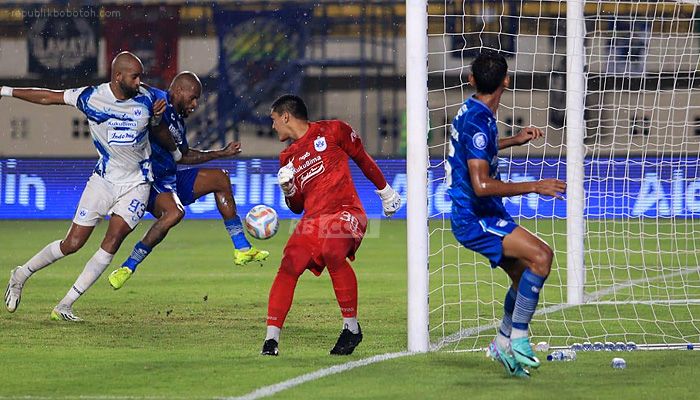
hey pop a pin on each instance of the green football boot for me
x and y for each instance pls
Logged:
(243, 257)
(522, 350)
(118, 277)
(512, 367)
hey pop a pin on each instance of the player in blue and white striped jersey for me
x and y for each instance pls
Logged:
(480, 221)
(119, 113)
(173, 189)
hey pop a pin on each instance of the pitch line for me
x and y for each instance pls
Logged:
(312, 376)
(587, 299)
(270, 390)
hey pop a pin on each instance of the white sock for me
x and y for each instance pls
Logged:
(351, 324)
(502, 341)
(93, 269)
(273, 332)
(47, 256)
(518, 333)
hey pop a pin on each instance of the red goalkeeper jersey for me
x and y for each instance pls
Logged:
(321, 169)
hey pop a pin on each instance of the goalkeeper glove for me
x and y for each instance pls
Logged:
(391, 201)
(285, 178)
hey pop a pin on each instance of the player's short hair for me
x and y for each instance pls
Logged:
(292, 104)
(489, 70)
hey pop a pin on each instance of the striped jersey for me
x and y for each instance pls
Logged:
(474, 136)
(119, 130)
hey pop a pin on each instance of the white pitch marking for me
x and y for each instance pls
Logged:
(312, 376)
(266, 391)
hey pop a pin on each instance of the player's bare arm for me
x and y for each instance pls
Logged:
(34, 95)
(194, 156)
(159, 129)
(485, 186)
(524, 136)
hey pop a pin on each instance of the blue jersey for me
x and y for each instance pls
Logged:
(474, 136)
(164, 165)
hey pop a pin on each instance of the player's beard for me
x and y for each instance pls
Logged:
(128, 91)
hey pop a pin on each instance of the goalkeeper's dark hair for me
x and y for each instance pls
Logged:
(292, 104)
(489, 70)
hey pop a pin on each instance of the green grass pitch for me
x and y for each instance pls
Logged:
(189, 325)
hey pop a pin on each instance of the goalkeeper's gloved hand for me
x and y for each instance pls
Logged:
(285, 178)
(391, 201)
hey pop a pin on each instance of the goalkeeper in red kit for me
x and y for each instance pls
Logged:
(315, 179)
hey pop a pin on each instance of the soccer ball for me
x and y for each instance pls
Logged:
(262, 222)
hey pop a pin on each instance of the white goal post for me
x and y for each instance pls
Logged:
(615, 85)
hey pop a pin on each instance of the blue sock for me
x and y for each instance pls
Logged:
(526, 302)
(138, 254)
(234, 227)
(508, 307)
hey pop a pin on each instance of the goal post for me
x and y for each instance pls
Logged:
(615, 86)
(417, 173)
(575, 131)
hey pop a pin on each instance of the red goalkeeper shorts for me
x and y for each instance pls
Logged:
(329, 237)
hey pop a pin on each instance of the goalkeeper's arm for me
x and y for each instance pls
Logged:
(391, 201)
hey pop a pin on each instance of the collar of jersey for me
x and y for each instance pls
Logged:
(309, 133)
(480, 103)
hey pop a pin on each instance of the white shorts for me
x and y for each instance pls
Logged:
(101, 198)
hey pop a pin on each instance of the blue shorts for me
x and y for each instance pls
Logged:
(484, 235)
(182, 184)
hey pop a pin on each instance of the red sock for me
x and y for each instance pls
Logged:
(345, 286)
(281, 296)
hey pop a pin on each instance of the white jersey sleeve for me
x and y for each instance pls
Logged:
(70, 96)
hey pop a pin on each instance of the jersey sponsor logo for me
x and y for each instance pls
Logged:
(305, 164)
(122, 133)
(305, 156)
(122, 124)
(176, 133)
(121, 138)
(311, 173)
(480, 140)
(320, 144)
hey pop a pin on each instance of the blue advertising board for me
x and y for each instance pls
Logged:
(615, 188)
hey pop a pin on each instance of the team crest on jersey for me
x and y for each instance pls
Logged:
(137, 111)
(320, 144)
(479, 140)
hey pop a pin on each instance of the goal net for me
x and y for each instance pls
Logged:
(637, 233)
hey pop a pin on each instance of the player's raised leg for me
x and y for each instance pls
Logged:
(537, 257)
(169, 211)
(217, 181)
(295, 260)
(75, 239)
(117, 230)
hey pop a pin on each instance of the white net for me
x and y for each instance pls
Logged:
(641, 181)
